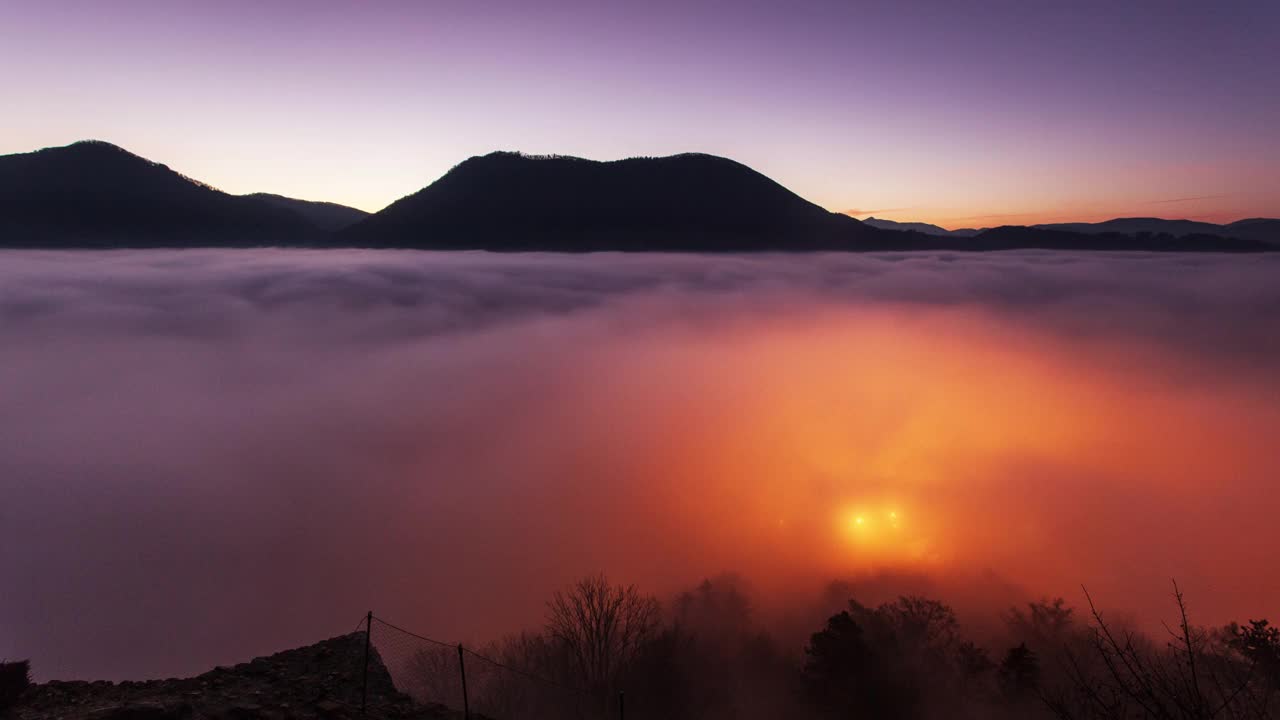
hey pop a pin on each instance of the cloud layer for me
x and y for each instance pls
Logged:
(207, 455)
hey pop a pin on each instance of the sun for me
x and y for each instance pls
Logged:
(874, 526)
(882, 532)
(865, 517)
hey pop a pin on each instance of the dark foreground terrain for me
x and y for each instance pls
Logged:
(318, 681)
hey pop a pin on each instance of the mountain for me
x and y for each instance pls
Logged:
(94, 194)
(1135, 225)
(511, 201)
(1118, 234)
(920, 227)
(327, 216)
(1014, 237)
(1265, 230)
(1258, 229)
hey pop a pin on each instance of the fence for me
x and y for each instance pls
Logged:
(433, 672)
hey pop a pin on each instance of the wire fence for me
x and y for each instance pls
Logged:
(433, 672)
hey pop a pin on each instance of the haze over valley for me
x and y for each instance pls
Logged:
(696, 360)
(214, 454)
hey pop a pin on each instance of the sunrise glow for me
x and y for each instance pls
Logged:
(664, 360)
(665, 435)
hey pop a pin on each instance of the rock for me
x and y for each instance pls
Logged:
(319, 681)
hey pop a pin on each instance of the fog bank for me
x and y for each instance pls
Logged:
(207, 455)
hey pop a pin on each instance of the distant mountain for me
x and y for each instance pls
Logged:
(510, 201)
(1134, 225)
(1013, 237)
(1259, 229)
(1123, 231)
(324, 215)
(1265, 230)
(94, 194)
(920, 227)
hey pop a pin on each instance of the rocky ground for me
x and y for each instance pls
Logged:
(319, 681)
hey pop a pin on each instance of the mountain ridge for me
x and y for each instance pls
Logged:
(926, 228)
(691, 201)
(95, 194)
(328, 216)
(1261, 229)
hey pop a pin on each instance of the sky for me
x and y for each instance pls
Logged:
(212, 455)
(964, 114)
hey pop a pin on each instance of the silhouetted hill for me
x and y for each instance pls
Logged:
(926, 228)
(1013, 237)
(1265, 230)
(510, 201)
(1017, 237)
(1259, 229)
(94, 194)
(324, 215)
(1134, 225)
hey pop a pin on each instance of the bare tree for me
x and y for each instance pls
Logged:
(603, 627)
(1127, 676)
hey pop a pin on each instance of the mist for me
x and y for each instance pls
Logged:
(211, 455)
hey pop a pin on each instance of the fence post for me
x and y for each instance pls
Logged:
(462, 668)
(622, 705)
(368, 641)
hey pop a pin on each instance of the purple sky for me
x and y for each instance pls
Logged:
(958, 113)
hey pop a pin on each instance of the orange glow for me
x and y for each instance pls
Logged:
(874, 532)
(994, 442)
(947, 439)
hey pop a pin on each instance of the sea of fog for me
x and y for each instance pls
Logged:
(208, 455)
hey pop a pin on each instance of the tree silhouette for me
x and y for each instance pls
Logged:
(973, 661)
(603, 627)
(846, 673)
(1259, 643)
(921, 624)
(883, 662)
(1125, 676)
(717, 611)
(1044, 626)
(1019, 673)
